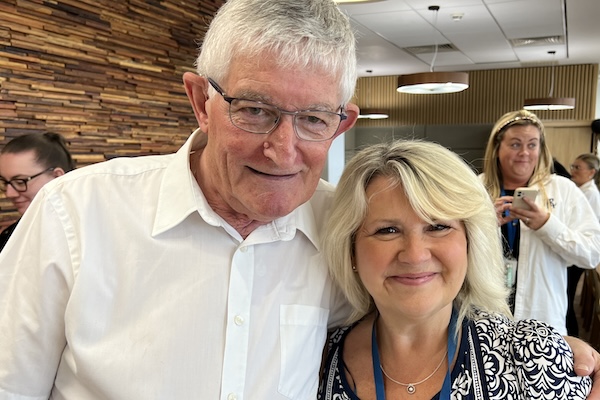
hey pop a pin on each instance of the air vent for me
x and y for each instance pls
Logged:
(442, 48)
(537, 41)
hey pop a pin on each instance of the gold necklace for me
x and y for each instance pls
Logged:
(410, 387)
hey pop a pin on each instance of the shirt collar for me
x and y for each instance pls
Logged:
(179, 196)
(588, 184)
(178, 188)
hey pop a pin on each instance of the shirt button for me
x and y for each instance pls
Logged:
(231, 396)
(239, 320)
(244, 249)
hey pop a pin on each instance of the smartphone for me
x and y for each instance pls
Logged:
(522, 192)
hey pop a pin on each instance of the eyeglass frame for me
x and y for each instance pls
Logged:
(230, 99)
(580, 168)
(24, 180)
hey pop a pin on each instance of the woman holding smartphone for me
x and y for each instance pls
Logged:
(557, 230)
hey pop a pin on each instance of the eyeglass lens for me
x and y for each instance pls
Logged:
(256, 117)
(20, 185)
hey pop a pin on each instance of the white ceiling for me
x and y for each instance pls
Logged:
(483, 39)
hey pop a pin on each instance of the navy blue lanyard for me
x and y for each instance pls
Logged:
(511, 230)
(377, 374)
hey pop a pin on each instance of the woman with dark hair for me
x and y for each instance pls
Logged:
(27, 163)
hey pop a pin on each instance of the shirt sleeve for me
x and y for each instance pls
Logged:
(35, 281)
(573, 232)
(544, 363)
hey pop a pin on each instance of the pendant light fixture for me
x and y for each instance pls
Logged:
(433, 82)
(550, 103)
(371, 113)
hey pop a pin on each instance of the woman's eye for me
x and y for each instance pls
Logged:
(438, 227)
(386, 230)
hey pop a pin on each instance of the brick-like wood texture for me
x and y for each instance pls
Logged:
(106, 74)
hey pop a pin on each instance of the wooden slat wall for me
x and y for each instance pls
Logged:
(104, 73)
(568, 139)
(491, 94)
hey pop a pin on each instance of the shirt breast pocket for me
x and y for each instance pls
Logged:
(303, 330)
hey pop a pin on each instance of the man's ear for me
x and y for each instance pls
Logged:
(196, 88)
(351, 111)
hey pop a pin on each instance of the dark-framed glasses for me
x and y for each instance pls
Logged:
(257, 117)
(20, 184)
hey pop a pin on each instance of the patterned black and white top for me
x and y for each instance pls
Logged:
(498, 359)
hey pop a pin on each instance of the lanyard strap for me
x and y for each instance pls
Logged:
(511, 230)
(378, 376)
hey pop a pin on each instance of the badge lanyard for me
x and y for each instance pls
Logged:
(446, 387)
(511, 230)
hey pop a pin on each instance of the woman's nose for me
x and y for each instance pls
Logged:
(11, 192)
(415, 250)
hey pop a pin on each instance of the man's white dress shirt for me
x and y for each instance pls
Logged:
(122, 283)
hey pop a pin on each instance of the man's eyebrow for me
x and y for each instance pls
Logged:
(249, 94)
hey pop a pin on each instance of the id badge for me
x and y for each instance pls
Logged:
(510, 272)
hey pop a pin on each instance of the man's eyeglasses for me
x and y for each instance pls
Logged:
(258, 117)
(20, 184)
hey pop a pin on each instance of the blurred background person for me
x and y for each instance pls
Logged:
(413, 242)
(27, 163)
(558, 230)
(583, 172)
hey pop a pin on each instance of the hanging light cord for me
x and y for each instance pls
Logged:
(552, 71)
(435, 9)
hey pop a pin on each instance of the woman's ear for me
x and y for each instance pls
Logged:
(196, 88)
(58, 171)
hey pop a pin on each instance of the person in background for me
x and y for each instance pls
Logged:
(583, 172)
(27, 163)
(195, 275)
(413, 242)
(559, 229)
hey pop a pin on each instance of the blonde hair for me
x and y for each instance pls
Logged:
(438, 185)
(491, 166)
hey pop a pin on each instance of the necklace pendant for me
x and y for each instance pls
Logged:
(410, 389)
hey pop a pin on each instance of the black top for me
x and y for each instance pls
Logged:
(5, 234)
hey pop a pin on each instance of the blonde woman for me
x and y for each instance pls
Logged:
(413, 242)
(558, 230)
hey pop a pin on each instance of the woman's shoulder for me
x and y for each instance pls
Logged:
(337, 337)
(560, 182)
